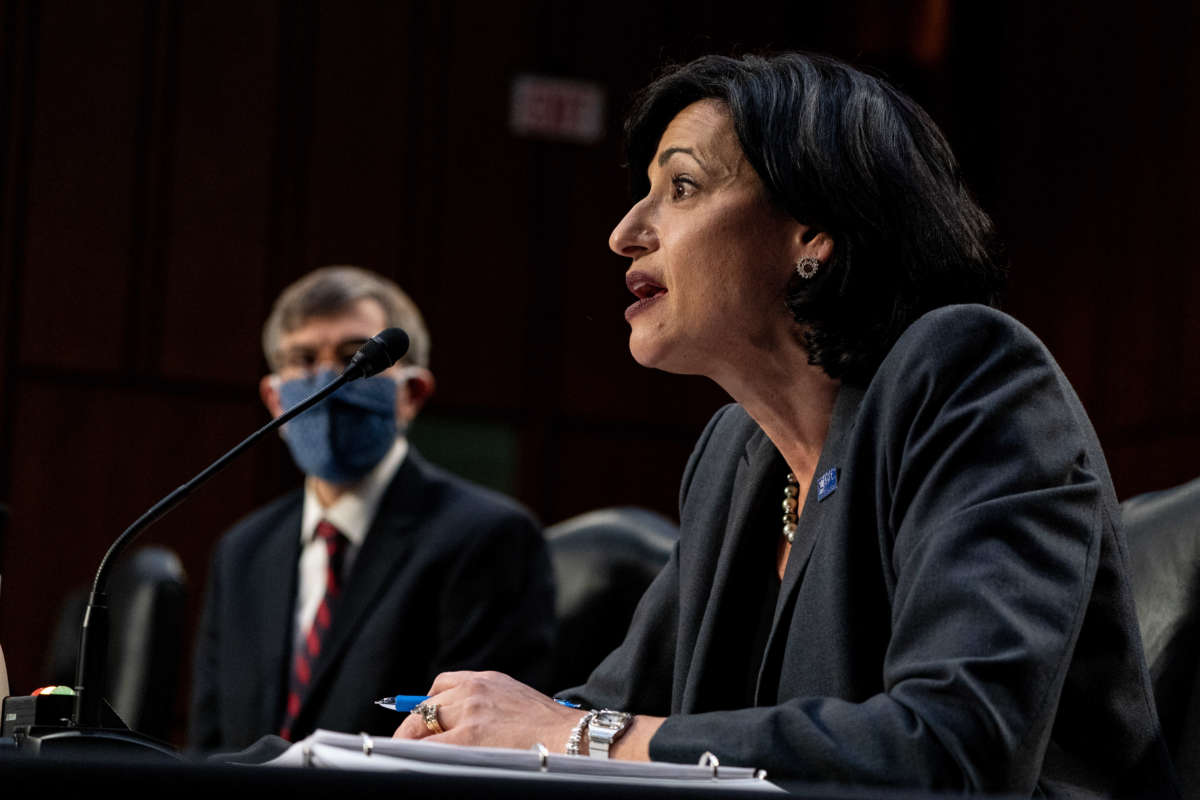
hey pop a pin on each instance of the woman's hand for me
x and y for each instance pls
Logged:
(492, 709)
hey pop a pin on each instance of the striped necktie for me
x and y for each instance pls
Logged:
(310, 649)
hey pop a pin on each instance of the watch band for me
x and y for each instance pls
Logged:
(605, 728)
(577, 733)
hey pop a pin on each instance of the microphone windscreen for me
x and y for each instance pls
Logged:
(395, 342)
(378, 353)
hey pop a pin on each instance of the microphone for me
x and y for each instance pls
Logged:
(376, 354)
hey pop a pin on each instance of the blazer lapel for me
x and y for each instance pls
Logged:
(759, 461)
(387, 542)
(271, 612)
(815, 516)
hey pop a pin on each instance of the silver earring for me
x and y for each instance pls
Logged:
(807, 267)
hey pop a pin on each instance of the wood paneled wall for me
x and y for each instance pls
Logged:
(169, 167)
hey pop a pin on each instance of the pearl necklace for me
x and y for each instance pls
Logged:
(791, 502)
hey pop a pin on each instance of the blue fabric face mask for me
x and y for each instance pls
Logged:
(341, 438)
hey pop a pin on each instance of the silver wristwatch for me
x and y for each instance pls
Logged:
(604, 729)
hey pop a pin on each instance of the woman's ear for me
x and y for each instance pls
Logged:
(811, 242)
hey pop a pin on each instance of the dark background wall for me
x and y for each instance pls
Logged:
(166, 168)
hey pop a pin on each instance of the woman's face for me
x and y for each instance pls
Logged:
(711, 256)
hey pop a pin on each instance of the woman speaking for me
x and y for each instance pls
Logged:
(900, 558)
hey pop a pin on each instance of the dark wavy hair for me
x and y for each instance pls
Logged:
(845, 153)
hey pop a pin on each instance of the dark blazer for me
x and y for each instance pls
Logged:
(450, 576)
(955, 614)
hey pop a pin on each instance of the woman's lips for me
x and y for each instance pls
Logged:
(647, 290)
(642, 305)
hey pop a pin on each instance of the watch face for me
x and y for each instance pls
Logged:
(610, 719)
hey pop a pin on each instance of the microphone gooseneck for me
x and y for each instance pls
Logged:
(377, 354)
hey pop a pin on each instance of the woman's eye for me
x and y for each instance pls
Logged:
(682, 187)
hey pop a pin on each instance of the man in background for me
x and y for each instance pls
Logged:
(383, 570)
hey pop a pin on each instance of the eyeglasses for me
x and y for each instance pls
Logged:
(308, 360)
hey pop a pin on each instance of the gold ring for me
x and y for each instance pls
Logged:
(428, 712)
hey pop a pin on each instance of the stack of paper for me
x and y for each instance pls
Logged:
(363, 752)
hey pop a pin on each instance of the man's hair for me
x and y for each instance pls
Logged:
(330, 291)
(848, 154)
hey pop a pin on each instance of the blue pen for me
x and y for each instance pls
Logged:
(407, 702)
(403, 702)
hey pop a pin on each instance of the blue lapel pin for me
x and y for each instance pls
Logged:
(827, 484)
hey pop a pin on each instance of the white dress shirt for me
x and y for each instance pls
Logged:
(352, 514)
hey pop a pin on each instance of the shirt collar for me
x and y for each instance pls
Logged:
(354, 511)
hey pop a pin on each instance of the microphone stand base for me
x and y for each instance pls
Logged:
(103, 744)
(40, 726)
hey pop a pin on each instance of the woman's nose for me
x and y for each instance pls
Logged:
(633, 237)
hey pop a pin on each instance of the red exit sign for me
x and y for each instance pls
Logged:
(557, 108)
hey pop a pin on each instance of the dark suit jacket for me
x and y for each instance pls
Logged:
(956, 614)
(450, 576)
